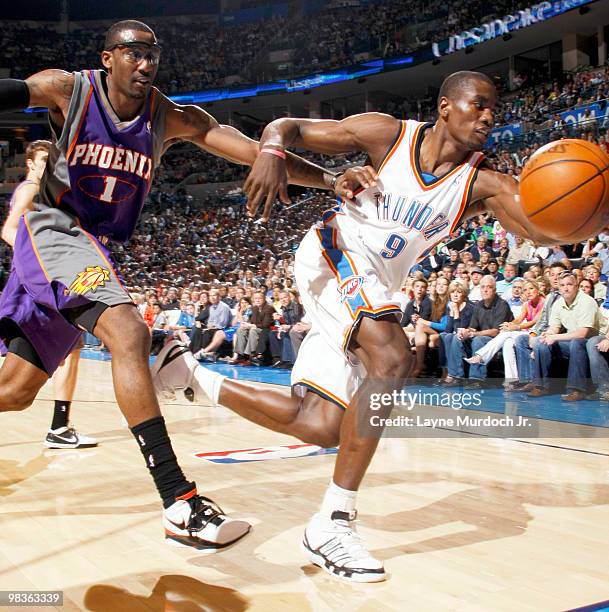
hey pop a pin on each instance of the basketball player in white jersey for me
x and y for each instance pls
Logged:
(425, 179)
(60, 434)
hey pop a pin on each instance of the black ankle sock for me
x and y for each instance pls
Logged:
(154, 442)
(61, 414)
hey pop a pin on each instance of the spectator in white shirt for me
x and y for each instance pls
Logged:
(521, 251)
(474, 293)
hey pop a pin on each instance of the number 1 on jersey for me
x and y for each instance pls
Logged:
(393, 246)
(109, 184)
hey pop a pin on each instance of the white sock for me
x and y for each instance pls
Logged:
(337, 498)
(209, 381)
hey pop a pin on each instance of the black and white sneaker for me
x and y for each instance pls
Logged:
(198, 522)
(173, 370)
(68, 437)
(334, 545)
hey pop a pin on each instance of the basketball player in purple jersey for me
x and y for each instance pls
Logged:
(109, 130)
(60, 434)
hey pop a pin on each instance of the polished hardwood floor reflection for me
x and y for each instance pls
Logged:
(461, 523)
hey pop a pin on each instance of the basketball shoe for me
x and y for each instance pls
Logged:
(333, 544)
(194, 520)
(173, 370)
(176, 369)
(68, 437)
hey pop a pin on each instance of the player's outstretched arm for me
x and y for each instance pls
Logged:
(50, 88)
(193, 124)
(24, 202)
(369, 132)
(503, 200)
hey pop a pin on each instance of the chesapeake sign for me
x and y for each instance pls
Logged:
(498, 27)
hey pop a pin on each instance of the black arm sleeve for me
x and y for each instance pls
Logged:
(14, 95)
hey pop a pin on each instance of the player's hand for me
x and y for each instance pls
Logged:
(354, 178)
(603, 345)
(267, 179)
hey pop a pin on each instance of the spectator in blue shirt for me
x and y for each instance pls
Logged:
(219, 317)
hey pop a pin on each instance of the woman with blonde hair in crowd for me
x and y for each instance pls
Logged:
(427, 333)
(243, 314)
(508, 332)
(459, 311)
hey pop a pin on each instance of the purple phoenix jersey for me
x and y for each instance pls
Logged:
(108, 164)
(96, 179)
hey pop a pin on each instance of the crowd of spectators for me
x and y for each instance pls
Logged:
(535, 103)
(340, 36)
(197, 54)
(200, 53)
(545, 311)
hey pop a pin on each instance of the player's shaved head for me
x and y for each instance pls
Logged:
(118, 32)
(455, 84)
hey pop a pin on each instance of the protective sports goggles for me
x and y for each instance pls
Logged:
(138, 51)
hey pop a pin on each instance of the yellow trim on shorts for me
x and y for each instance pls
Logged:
(323, 392)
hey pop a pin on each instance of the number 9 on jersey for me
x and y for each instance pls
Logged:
(394, 245)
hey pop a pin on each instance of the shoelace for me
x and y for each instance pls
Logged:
(349, 544)
(203, 512)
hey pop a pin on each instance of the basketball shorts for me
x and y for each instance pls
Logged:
(60, 275)
(338, 288)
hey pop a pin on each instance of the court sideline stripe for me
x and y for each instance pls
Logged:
(597, 607)
(557, 446)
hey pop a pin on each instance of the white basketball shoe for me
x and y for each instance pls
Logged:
(173, 370)
(333, 544)
(196, 521)
(68, 437)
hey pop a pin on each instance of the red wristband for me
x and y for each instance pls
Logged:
(276, 152)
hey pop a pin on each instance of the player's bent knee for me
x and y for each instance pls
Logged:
(325, 438)
(132, 338)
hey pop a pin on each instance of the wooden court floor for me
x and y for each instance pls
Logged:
(461, 524)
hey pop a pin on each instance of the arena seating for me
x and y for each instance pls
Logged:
(204, 55)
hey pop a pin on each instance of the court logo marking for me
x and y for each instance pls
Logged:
(265, 453)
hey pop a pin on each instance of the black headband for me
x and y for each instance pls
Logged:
(134, 43)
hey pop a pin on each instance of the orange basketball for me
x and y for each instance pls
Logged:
(564, 190)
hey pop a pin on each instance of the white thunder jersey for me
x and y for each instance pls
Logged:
(402, 218)
(354, 262)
